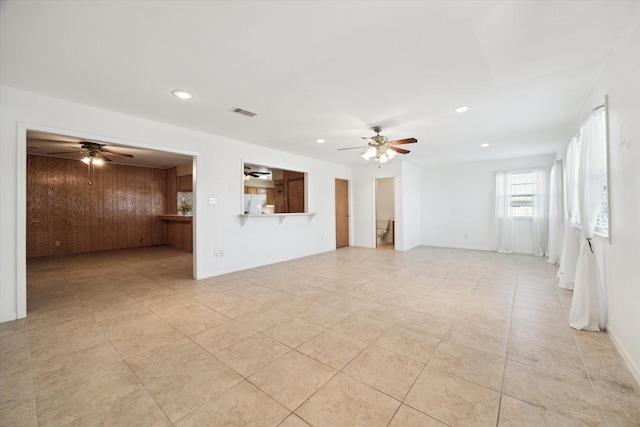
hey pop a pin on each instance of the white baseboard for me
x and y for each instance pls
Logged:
(8, 317)
(631, 364)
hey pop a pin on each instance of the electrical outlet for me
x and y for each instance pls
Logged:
(221, 252)
(215, 254)
(57, 242)
(213, 201)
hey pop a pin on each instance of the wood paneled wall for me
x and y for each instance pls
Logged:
(119, 210)
(172, 192)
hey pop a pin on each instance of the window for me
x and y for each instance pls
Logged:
(523, 186)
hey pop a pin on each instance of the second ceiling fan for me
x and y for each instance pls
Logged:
(381, 150)
(91, 150)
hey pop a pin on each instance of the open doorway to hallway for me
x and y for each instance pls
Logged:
(385, 213)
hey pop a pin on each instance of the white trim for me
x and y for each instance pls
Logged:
(9, 317)
(635, 369)
(21, 221)
(280, 216)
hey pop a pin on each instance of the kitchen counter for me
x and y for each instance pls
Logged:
(180, 218)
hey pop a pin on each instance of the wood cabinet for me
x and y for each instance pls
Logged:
(172, 192)
(185, 183)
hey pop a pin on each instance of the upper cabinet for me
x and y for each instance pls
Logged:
(185, 183)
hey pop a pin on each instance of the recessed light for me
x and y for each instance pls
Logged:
(485, 145)
(320, 141)
(461, 109)
(182, 94)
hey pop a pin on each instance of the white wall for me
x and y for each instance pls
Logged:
(218, 174)
(411, 196)
(458, 204)
(621, 257)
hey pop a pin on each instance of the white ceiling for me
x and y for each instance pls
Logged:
(326, 69)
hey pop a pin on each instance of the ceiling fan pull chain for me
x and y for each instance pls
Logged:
(89, 172)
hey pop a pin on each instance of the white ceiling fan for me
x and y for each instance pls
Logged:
(381, 150)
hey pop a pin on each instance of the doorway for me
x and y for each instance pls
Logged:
(385, 213)
(89, 226)
(342, 213)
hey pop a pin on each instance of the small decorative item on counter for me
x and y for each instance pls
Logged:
(185, 207)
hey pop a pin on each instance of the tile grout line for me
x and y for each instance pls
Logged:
(506, 354)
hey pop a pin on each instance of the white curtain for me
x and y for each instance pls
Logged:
(503, 212)
(539, 217)
(556, 213)
(588, 309)
(570, 242)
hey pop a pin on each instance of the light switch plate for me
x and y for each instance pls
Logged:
(213, 201)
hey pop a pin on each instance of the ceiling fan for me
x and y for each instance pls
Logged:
(94, 152)
(380, 149)
(249, 173)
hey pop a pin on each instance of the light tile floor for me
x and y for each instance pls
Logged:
(428, 337)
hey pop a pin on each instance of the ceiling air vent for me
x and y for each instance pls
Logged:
(243, 112)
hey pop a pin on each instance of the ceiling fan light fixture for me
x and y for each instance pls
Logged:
(93, 160)
(380, 149)
(390, 154)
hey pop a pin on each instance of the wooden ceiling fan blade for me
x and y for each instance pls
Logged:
(67, 152)
(103, 157)
(353, 148)
(399, 150)
(403, 141)
(53, 140)
(112, 153)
